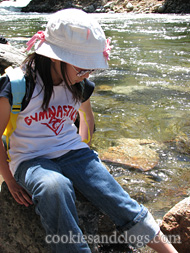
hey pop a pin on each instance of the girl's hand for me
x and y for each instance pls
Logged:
(19, 193)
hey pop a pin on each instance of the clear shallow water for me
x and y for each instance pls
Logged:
(144, 95)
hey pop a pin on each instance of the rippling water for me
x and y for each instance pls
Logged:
(144, 95)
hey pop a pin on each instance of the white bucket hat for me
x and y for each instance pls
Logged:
(74, 37)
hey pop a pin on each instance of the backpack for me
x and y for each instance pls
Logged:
(18, 89)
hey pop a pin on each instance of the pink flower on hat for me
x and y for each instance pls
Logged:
(38, 36)
(107, 49)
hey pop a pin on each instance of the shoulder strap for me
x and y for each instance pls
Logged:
(18, 87)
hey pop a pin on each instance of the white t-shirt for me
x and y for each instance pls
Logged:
(48, 134)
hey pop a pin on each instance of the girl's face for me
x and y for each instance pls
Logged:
(74, 74)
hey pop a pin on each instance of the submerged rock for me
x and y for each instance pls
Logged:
(176, 225)
(183, 144)
(136, 153)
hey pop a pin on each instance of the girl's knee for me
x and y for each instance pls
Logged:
(57, 186)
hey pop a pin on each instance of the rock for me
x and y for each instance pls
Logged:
(52, 6)
(10, 56)
(100, 9)
(135, 153)
(176, 225)
(21, 230)
(177, 6)
(129, 7)
(183, 143)
(159, 8)
(89, 9)
(109, 5)
(168, 6)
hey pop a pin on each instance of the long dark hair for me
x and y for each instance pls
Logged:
(35, 62)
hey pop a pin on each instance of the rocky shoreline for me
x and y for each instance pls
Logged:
(114, 6)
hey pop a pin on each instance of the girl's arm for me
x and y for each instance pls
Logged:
(86, 125)
(18, 193)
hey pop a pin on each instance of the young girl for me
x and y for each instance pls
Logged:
(47, 155)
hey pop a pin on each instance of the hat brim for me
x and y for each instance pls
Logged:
(86, 61)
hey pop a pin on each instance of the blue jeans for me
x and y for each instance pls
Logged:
(50, 182)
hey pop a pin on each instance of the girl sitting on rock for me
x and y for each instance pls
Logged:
(47, 155)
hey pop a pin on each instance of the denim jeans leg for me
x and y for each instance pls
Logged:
(93, 180)
(54, 199)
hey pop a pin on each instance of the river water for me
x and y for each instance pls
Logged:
(144, 95)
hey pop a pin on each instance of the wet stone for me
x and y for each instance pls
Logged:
(136, 153)
(176, 225)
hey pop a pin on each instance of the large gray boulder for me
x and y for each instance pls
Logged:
(21, 230)
(10, 56)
